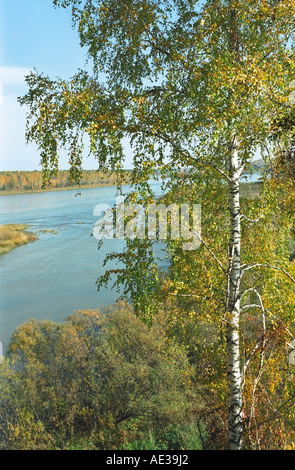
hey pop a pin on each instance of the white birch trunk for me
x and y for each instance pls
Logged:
(235, 423)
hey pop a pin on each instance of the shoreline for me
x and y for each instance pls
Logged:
(86, 186)
(47, 190)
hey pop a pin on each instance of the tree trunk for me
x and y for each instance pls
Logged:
(235, 423)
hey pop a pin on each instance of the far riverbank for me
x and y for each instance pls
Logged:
(49, 189)
(247, 188)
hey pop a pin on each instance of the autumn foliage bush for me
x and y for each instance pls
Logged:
(100, 380)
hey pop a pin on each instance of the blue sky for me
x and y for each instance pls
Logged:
(33, 34)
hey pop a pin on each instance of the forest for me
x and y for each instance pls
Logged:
(17, 181)
(200, 356)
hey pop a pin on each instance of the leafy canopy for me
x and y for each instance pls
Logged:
(174, 78)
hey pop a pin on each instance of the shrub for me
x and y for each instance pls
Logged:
(102, 377)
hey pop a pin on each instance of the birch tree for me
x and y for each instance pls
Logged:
(189, 85)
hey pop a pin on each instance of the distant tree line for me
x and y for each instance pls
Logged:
(33, 180)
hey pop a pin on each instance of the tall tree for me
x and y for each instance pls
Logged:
(189, 84)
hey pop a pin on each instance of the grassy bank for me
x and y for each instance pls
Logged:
(13, 235)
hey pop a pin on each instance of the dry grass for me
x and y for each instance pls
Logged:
(13, 235)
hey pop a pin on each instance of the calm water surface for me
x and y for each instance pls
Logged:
(55, 275)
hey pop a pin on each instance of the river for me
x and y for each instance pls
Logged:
(56, 275)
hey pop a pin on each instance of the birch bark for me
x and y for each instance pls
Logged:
(235, 423)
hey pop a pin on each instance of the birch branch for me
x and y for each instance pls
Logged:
(210, 251)
(189, 295)
(254, 221)
(262, 343)
(185, 153)
(250, 306)
(210, 165)
(261, 265)
(261, 306)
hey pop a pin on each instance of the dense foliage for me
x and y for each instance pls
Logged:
(195, 89)
(100, 380)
